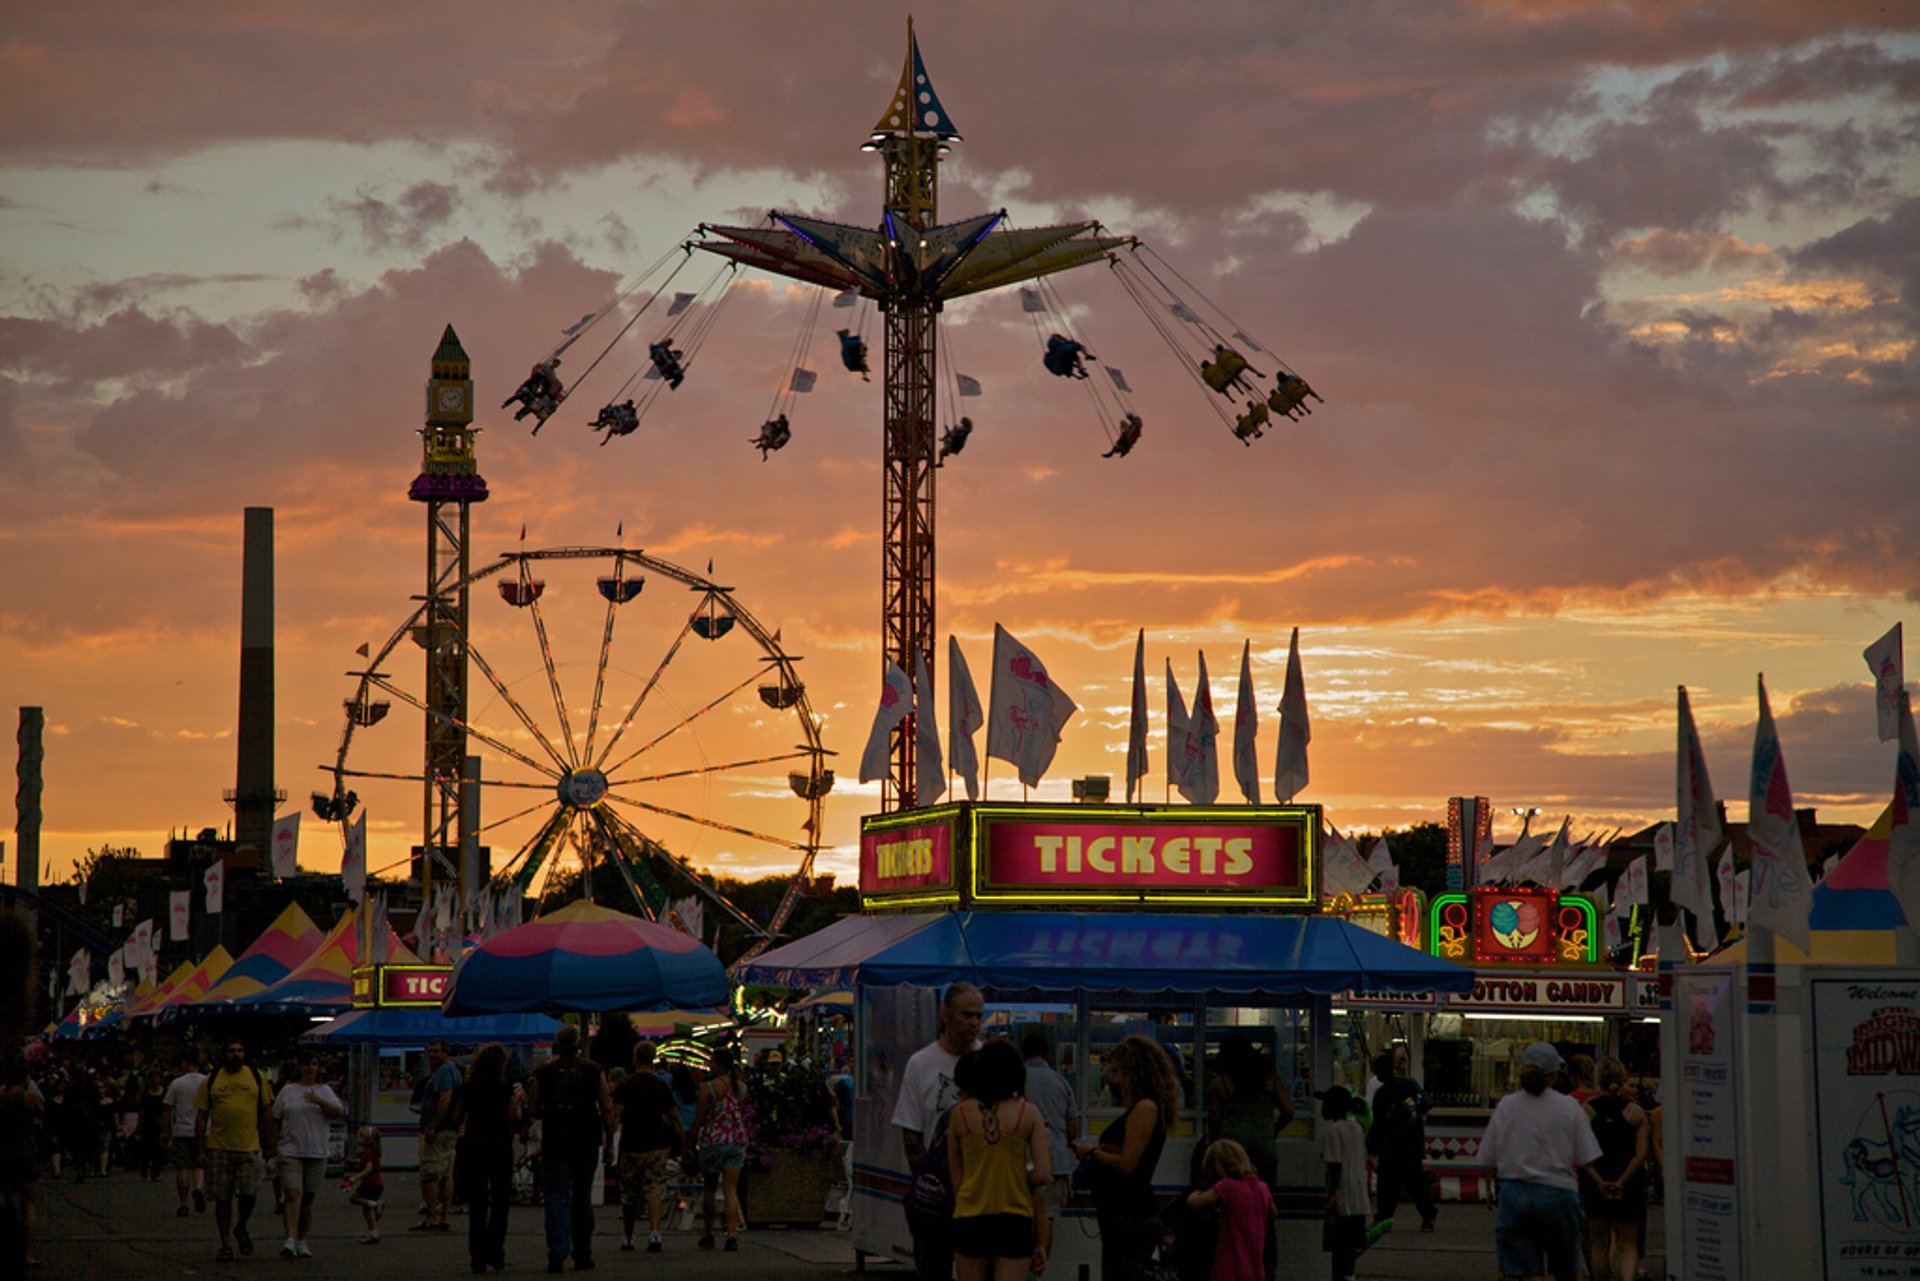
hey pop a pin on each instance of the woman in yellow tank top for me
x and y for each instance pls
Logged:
(997, 1154)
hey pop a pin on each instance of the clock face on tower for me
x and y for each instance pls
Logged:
(450, 398)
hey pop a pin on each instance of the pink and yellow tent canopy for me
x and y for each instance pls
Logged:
(202, 976)
(1854, 913)
(283, 945)
(323, 983)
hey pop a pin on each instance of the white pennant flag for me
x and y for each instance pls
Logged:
(116, 968)
(964, 717)
(1183, 311)
(1341, 870)
(968, 386)
(1246, 341)
(803, 380)
(1380, 857)
(896, 700)
(1696, 830)
(80, 972)
(1724, 874)
(1137, 722)
(1554, 861)
(1781, 893)
(1638, 891)
(285, 844)
(119, 914)
(1742, 884)
(179, 909)
(1026, 709)
(1903, 841)
(1583, 865)
(930, 775)
(353, 859)
(1203, 744)
(1030, 300)
(845, 298)
(1290, 763)
(1246, 729)
(1179, 733)
(1663, 848)
(1886, 659)
(141, 947)
(216, 883)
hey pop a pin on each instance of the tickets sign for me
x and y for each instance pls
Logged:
(402, 986)
(909, 863)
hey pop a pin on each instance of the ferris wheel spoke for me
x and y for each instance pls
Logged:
(625, 860)
(690, 717)
(606, 649)
(500, 688)
(490, 740)
(553, 683)
(648, 846)
(640, 701)
(502, 822)
(713, 823)
(537, 849)
(797, 754)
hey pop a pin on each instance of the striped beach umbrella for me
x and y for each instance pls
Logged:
(590, 959)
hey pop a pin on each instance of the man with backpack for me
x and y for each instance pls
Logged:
(569, 1097)
(1398, 1143)
(233, 1116)
(927, 1094)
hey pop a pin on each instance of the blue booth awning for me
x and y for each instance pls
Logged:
(1136, 953)
(409, 1027)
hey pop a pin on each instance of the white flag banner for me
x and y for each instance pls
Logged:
(803, 379)
(285, 844)
(1886, 659)
(142, 946)
(1723, 875)
(380, 929)
(80, 972)
(1341, 869)
(1380, 857)
(1696, 830)
(968, 386)
(179, 910)
(679, 304)
(964, 717)
(1119, 379)
(693, 914)
(1903, 841)
(215, 881)
(930, 774)
(1246, 730)
(1663, 848)
(353, 859)
(1389, 879)
(1026, 710)
(1203, 744)
(1137, 722)
(1180, 759)
(483, 915)
(1611, 933)
(511, 910)
(1510, 864)
(1290, 762)
(1030, 299)
(845, 298)
(1780, 896)
(1742, 907)
(1639, 892)
(1582, 865)
(116, 968)
(896, 700)
(119, 915)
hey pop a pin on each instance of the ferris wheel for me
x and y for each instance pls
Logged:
(667, 742)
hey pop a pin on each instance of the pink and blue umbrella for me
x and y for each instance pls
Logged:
(590, 959)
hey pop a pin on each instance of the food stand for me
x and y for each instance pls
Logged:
(1092, 923)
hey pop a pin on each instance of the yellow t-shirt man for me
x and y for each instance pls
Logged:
(234, 1103)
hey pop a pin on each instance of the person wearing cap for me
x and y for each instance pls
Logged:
(1537, 1142)
(1344, 1150)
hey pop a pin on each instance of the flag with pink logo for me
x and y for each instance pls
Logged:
(1026, 709)
(1696, 830)
(930, 775)
(179, 909)
(1290, 762)
(1246, 730)
(1780, 895)
(285, 845)
(896, 700)
(215, 881)
(1203, 745)
(964, 718)
(1886, 660)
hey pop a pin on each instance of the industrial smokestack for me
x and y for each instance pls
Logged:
(254, 796)
(26, 800)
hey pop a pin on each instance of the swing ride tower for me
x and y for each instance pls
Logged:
(910, 266)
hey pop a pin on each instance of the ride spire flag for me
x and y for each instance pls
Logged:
(353, 859)
(930, 775)
(179, 914)
(896, 700)
(1025, 710)
(679, 304)
(1183, 312)
(216, 885)
(1119, 379)
(1886, 659)
(1246, 341)
(285, 845)
(80, 972)
(1137, 722)
(846, 298)
(1554, 863)
(1903, 841)
(804, 379)
(1246, 730)
(1781, 893)
(964, 717)
(968, 386)
(1696, 828)
(1030, 299)
(578, 325)
(1290, 762)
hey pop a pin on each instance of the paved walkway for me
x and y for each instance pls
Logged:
(120, 1227)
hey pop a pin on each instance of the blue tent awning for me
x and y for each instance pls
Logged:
(1138, 953)
(417, 1027)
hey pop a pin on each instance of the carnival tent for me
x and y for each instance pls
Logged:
(291, 939)
(323, 983)
(1041, 954)
(587, 958)
(1854, 913)
(142, 1005)
(212, 967)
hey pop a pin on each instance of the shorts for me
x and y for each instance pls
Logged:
(716, 1157)
(368, 1190)
(184, 1152)
(993, 1236)
(436, 1155)
(643, 1174)
(302, 1174)
(1537, 1230)
(231, 1173)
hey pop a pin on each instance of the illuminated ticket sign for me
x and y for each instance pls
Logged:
(400, 985)
(1091, 855)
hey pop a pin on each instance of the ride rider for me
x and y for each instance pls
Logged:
(1063, 357)
(619, 420)
(953, 440)
(666, 360)
(540, 394)
(853, 353)
(773, 435)
(1130, 429)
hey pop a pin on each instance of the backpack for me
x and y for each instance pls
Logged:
(570, 1104)
(930, 1195)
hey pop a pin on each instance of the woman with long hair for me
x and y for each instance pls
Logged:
(722, 1124)
(997, 1154)
(487, 1112)
(1123, 1158)
(1614, 1188)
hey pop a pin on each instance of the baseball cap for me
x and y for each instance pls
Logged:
(1542, 1056)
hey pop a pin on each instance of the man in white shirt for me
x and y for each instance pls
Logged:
(927, 1092)
(1535, 1143)
(184, 1147)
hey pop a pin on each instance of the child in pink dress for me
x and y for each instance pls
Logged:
(1246, 1208)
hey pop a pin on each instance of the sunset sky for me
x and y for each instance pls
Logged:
(1613, 307)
